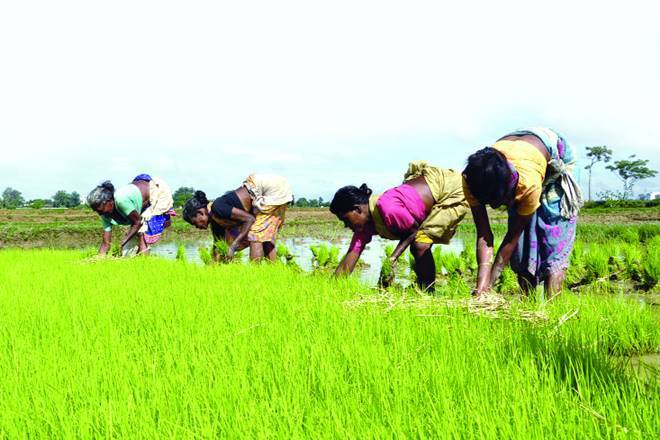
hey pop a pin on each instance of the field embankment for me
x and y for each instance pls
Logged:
(75, 228)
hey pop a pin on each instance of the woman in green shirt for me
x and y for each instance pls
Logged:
(145, 205)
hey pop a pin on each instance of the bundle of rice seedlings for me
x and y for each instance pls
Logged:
(508, 282)
(448, 263)
(285, 255)
(115, 250)
(324, 256)
(387, 275)
(205, 256)
(283, 252)
(181, 253)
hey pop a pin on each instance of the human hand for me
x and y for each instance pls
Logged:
(387, 273)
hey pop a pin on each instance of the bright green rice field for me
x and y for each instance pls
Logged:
(148, 348)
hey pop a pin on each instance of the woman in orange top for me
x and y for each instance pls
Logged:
(530, 172)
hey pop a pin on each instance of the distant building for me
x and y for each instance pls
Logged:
(650, 196)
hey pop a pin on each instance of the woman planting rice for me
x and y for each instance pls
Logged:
(425, 209)
(250, 216)
(145, 205)
(529, 171)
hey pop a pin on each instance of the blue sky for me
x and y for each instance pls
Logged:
(328, 94)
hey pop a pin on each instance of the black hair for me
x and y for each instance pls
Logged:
(487, 175)
(348, 197)
(197, 202)
(103, 193)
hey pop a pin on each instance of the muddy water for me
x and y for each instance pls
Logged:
(300, 248)
(646, 366)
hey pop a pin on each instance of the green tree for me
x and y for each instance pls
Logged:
(63, 199)
(182, 195)
(12, 198)
(302, 203)
(74, 200)
(60, 199)
(37, 203)
(630, 172)
(596, 154)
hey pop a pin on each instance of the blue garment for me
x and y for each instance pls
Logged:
(145, 177)
(156, 225)
(546, 243)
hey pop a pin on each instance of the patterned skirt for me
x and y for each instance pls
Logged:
(546, 243)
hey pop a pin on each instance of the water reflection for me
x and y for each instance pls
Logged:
(300, 249)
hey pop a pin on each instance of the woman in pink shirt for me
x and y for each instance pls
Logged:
(424, 210)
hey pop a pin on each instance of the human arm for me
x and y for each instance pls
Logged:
(106, 243)
(136, 222)
(347, 264)
(516, 227)
(484, 248)
(355, 249)
(403, 244)
(246, 220)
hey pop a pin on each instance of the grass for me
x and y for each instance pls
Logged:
(145, 348)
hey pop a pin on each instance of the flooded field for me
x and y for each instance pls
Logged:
(300, 248)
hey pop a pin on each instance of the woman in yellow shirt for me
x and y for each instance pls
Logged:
(530, 172)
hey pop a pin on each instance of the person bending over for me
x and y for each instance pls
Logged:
(250, 216)
(528, 171)
(145, 205)
(424, 210)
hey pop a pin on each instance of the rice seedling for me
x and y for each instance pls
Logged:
(577, 270)
(597, 264)
(387, 270)
(160, 349)
(651, 264)
(324, 256)
(448, 263)
(508, 282)
(632, 257)
(205, 255)
(181, 253)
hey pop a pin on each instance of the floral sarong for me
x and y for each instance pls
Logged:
(267, 225)
(546, 243)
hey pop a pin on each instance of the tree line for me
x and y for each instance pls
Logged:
(184, 193)
(13, 198)
(629, 171)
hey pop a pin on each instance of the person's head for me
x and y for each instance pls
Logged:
(351, 205)
(488, 177)
(101, 199)
(196, 210)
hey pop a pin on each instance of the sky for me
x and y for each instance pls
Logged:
(326, 93)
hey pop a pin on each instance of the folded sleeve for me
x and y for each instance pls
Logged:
(360, 240)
